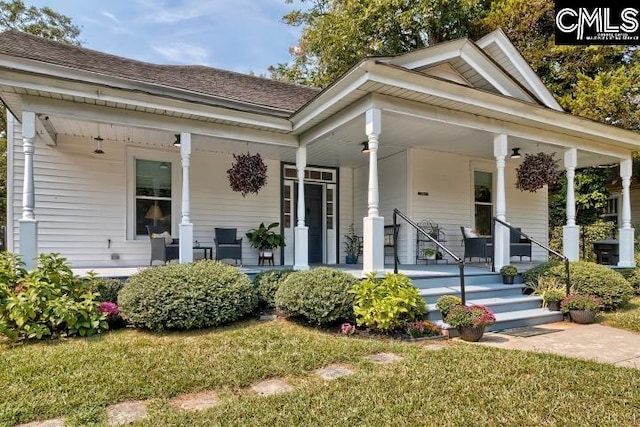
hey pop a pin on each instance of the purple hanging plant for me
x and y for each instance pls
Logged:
(536, 171)
(248, 174)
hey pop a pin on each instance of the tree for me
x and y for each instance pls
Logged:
(339, 33)
(44, 22)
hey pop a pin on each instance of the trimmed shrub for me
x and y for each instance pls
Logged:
(530, 277)
(387, 304)
(634, 280)
(186, 296)
(48, 301)
(320, 295)
(588, 278)
(267, 283)
(107, 289)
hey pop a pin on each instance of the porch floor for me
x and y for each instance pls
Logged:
(415, 271)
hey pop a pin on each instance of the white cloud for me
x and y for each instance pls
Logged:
(182, 53)
(110, 15)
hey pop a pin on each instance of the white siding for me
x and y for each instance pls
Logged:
(447, 178)
(81, 202)
(392, 182)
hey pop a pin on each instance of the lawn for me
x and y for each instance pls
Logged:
(463, 384)
(627, 317)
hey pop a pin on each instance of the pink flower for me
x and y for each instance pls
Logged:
(108, 308)
(348, 329)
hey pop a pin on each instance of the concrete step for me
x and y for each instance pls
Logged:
(454, 280)
(497, 305)
(516, 319)
(473, 292)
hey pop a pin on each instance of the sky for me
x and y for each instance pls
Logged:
(239, 35)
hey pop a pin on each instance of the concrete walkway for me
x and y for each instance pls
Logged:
(591, 342)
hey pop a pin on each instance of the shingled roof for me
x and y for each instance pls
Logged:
(218, 83)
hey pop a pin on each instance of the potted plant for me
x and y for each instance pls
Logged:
(470, 321)
(265, 239)
(446, 302)
(351, 245)
(429, 253)
(509, 272)
(581, 308)
(551, 289)
(551, 298)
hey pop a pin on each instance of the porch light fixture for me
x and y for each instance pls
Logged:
(164, 165)
(515, 153)
(365, 147)
(98, 149)
(176, 143)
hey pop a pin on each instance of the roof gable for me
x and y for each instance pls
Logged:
(476, 67)
(498, 46)
(279, 97)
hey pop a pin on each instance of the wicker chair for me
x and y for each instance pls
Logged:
(476, 246)
(160, 251)
(227, 245)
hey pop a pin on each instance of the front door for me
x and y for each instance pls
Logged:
(313, 217)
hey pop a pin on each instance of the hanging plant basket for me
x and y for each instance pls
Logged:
(536, 171)
(248, 174)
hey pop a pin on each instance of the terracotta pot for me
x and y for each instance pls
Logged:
(584, 317)
(471, 333)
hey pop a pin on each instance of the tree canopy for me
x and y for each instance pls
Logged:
(336, 34)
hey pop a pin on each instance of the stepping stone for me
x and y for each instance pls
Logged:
(268, 317)
(58, 422)
(270, 387)
(195, 401)
(332, 372)
(384, 358)
(126, 412)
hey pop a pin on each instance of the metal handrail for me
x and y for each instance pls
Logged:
(543, 246)
(459, 260)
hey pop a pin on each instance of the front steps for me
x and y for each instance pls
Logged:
(512, 309)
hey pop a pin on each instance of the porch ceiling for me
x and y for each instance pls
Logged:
(401, 131)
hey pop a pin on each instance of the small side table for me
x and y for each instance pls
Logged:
(208, 251)
(265, 257)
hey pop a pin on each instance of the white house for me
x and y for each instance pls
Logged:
(439, 123)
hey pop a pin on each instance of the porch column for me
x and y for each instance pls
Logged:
(301, 237)
(186, 227)
(571, 232)
(28, 223)
(373, 224)
(502, 235)
(626, 232)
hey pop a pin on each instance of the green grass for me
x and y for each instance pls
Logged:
(627, 317)
(461, 385)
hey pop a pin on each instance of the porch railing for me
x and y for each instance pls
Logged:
(460, 261)
(567, 273)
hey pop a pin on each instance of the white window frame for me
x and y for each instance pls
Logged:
(474, 169)
(157, 156)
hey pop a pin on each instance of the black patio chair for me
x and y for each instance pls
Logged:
(476, 246)
(227, 245)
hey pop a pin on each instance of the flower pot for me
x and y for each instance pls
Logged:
(351, 259)
(553, 305)
(508, 280)
(584, 317)
(471, 333)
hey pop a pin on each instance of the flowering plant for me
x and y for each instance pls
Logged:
(348, 329)
(422, 328)
(580, 302)
(110, 309)
(474, 315)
